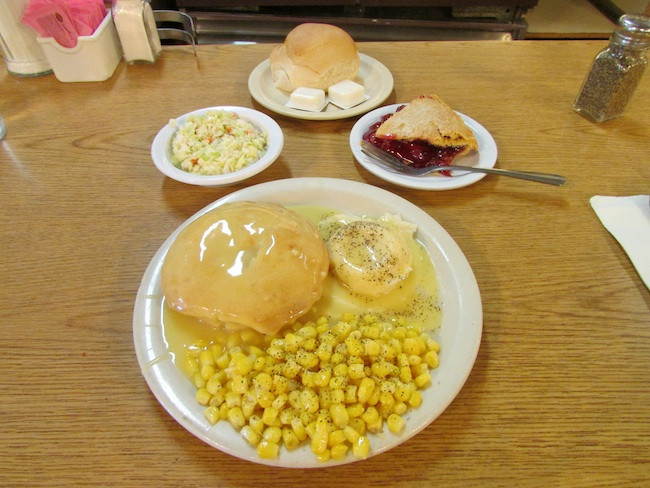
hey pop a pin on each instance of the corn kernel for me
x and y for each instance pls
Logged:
(350, 434)
(402, 392)
(255, 422)
(299, 428)
(290, 438)
(370, 415)
(265, 398)
(423, 379)
(198, 380)
(323, 377)
(272, 434)
(233, 399)
(354, 346)
(358, 424)
(268, 450)
(355, 410)
(418, 369)
(361, 448)
(374, 398)
(269, 415)
(366, 388)
(340, 369)
(416, 399)
(340, 415)
(309, 400)
(239, 384)
(355, 371)
(338, 396)
(336, 437)
(236, 417)
(263, 381)
(319, 441)
(400, 408)
(248, 405)
(212, 415)
(351, 394)
(203, 396)
(324, 456)
(381, 369)
(339, 451)
(307, 359)
(252, 436)
(395, 423)
(223, 361)
(431, 359)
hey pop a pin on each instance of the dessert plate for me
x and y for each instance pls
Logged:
(374, 76)
(485, 157)
(459, 334)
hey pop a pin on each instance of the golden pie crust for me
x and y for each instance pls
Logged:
(430, 119)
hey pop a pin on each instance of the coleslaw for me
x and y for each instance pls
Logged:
(216, 143)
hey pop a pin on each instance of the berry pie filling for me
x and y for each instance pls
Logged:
(418, 153)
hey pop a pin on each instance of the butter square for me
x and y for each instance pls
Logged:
(346, 94)
(311, 99)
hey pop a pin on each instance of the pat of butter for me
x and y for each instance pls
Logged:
(346, 94)
(311, 99)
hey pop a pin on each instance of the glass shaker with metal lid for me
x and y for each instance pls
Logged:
(616, 71)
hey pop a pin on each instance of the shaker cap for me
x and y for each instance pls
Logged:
(633, 30)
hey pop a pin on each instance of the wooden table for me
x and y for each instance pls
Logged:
(559, 394)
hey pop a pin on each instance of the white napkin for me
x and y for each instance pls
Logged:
(628, 220)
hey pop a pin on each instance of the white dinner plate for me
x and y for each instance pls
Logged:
(485, 157)
(459, 334)
(374, 76)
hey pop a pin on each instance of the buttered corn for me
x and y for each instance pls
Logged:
(328, 384)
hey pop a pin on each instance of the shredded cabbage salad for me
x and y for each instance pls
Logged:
(216, 143)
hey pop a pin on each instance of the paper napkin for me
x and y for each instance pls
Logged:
(628, 220)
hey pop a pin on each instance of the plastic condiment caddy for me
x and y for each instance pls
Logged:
(94, 58)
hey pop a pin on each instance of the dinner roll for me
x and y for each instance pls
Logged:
(314, 56)
(246, 264)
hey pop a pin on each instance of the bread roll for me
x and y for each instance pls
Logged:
(314, 56)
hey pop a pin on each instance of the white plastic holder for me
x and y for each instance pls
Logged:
(94, 58)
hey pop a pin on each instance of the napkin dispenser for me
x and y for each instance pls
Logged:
(94, 58)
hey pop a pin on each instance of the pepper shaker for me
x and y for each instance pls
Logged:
(616, 71)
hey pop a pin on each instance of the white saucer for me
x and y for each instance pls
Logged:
(374, 76)
(485, 157)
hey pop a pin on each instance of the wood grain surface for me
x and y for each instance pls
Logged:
(559, 394)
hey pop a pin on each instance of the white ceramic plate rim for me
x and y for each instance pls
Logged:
(161, 148)
(459, 334)
(260, 81)
(485, 157)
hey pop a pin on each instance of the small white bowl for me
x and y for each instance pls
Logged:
(161, 149)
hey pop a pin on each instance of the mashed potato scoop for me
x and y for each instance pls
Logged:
(370, 257)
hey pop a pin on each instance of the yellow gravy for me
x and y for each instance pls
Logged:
(415, 301)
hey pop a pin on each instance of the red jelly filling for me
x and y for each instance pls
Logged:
(418, 153)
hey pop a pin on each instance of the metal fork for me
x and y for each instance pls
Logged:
(396, 165)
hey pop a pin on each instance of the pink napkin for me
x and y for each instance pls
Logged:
(628, 220)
